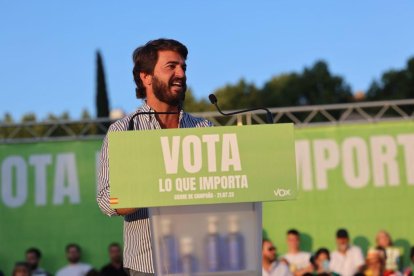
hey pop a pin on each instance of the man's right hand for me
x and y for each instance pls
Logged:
(125, 211)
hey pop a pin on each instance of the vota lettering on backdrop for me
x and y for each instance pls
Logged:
(189, 150)
(47, 177)
(15, 180)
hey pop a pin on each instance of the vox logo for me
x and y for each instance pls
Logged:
(282, 192)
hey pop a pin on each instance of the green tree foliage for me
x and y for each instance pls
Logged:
(321, 87)
(394, 84)
(8, 119)
(283, 90)
(85, 115)
(240, 95)
(191, 104)
(54, 118)
(102, 102)
(315, 85)
(29, 118)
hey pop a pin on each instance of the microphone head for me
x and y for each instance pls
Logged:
(212, 98)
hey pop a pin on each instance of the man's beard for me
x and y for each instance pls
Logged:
(74, 260)
(163, 94)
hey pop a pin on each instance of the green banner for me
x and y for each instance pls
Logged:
(202, 166)
(354, 176)
(360, 177)
(47, 200)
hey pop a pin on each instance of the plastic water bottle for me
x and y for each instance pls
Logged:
(169, 249)
(188, 260)
(235, 245)
(213, 246)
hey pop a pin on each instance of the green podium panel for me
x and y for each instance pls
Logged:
(196, 166)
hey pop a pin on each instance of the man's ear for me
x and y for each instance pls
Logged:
(145, 78)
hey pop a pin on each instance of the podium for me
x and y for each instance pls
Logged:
(204, 188)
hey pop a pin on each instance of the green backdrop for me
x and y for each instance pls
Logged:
(51, 218)
(360, 177)
(356, 176)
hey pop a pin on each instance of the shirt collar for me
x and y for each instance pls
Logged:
(146, 108)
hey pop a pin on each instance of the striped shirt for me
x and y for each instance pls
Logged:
(137, 235)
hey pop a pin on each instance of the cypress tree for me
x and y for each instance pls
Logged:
(102, 102)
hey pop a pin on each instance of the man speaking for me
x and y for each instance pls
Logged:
(160, 76)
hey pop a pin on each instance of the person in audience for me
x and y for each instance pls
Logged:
(375, 262)
(347, 259)
(270, 265)
(21, 269)
(93, 272)
(321, 262)
(409, 271)
(392, 254)
(114, 268)
(75, 267)
(33, 256)
(299, 261)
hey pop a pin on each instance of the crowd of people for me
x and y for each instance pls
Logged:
(347, 260)
(384, 259)
(75, 267)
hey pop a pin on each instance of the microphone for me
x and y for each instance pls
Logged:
(131, 121)
(269, 116)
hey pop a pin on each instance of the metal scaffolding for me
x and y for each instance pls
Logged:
(301, 116)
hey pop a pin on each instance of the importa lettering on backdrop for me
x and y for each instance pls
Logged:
(379, 160)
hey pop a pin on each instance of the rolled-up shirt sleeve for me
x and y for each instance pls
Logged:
(103, 181)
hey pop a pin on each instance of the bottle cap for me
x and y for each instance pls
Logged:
(234, 224)
(186, 245)
(212, 225)
(166, 227)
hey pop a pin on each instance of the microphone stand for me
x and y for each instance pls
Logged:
(269, 116)
(131, 120)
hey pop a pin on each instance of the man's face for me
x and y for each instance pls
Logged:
(21, 271)
(293, 242)
(115, 254)
(73, 255)
(169, 81)
(32, 260)
(342, 244)
(269, 252)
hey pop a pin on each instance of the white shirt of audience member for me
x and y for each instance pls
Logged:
(298, 261)
(347, 264)
(78, 269)
(277, 269)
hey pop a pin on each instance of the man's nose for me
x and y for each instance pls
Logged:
(179, 72)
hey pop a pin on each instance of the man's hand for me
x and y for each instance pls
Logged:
(125, 211)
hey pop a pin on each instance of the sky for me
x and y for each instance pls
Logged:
(47, 48)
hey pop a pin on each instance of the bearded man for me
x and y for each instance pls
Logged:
(160, 76)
